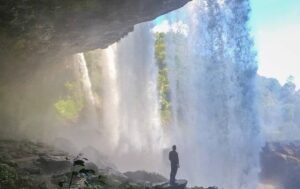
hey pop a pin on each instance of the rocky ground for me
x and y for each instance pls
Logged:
(28, 165)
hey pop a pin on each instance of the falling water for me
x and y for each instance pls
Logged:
(212, 75)
(85, 78)
(131, 115)
(87, 90)
(111, 97)
(212, 71)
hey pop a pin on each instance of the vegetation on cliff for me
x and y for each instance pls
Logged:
(280, 106)
(163, 80)
(70, 106)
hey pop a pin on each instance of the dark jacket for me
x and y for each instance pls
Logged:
(173, 157)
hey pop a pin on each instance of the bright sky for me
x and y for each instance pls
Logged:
(276, 30)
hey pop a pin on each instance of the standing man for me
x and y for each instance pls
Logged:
(173, 157)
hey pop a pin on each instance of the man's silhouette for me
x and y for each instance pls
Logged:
(173, 157)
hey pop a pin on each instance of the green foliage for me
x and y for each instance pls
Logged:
(10, 179)
(163, 80)
(160, 48)
(280, 107)
(8, 176)
(70, 107)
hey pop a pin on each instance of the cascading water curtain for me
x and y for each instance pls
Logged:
(131, 118)
(212, 73)
(206, 106)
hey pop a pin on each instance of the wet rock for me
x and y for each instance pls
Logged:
(42, 167)
(280, 163)
(43, 186)
(33, 170)
(96, 157)
(180, 184)
(54, 164)
(55, 26)
(143, 177)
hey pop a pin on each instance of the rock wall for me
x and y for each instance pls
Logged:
(37, 40)
(52, 26)
(32, 32)
(281, 165)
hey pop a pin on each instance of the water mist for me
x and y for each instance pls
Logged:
(212, 78)
(214, 119)
(131, 115)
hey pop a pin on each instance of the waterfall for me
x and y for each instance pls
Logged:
(131, 116)
(87, 90)
(111, 97)
(211, 72)
(212, 77)
(85, 78)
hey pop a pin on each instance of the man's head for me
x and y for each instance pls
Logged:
(174, 147)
